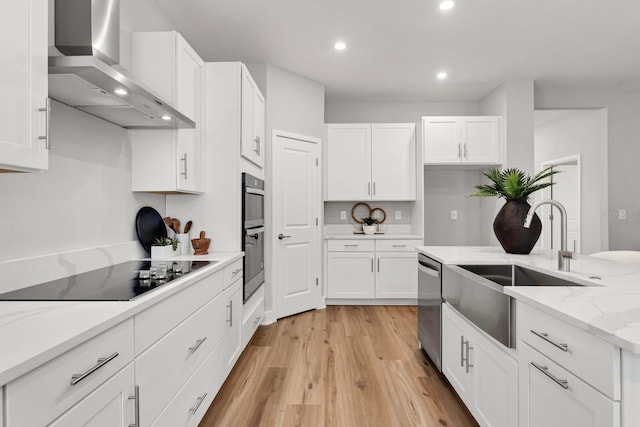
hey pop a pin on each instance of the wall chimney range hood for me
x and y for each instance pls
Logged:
(83, 70)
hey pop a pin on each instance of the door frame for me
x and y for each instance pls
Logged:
(273, 243)
(548, 194)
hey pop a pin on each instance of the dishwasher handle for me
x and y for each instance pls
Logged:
(426, 269)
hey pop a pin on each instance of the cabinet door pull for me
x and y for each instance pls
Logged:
(198, 403)
(136, 399)
(45, 137)
(469, 365)
(368, 188)
(184, 159)
(545, 336)
(461, 351)
(197, 345)
(76, 378)
(545, 370)
(372, 265)
(257, 145)
(460, 151)
(374, 188)
(378, 265)
(230, 307)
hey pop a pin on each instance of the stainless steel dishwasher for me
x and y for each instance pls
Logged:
(430, 308)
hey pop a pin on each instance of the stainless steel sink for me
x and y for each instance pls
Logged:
(477, 292)
(507, 275)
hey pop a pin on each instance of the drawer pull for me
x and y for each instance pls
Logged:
(136, 399)
(545, 336)
(350, 246)
(197, 345)
(545, 370)
(236, 271)
(399, 246)
(76, 378)
(198, 403)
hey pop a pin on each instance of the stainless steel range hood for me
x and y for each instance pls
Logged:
(84, 72)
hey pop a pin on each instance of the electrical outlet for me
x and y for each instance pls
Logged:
(622, 214)
(343, 214)
(454, 214)
(398, 214)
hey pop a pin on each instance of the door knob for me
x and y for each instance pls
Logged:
(282, 236)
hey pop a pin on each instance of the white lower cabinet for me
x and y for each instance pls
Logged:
(233, 331)
(190, 403)
(64, 381)
(350, 275)
(482, 372)
(183, 349)
(396, 275)
(372, 269)
(553, 397)
(112, 404)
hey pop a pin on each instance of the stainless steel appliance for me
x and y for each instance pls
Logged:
(118, 282)
(252, 233)
(429, 308)
(83, 70)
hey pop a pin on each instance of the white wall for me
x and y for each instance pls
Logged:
(580, 132)
(293, 104)
(83, 200)
(514, 102)
(623, 128)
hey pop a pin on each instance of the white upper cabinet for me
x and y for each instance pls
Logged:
(24, 139)
(169, 160)
(393, 161)
(348, 161)
(252, 120)
(470, 140)
(371, 161)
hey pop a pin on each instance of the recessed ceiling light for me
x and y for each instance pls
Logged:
(166, 118)
(121, 92)
(441, 75)
(340, 46)
(446, 5)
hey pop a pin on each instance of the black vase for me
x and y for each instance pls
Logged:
(509, 227)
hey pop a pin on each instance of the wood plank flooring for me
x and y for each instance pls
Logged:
(344, 366)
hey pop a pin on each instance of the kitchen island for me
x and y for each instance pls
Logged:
(577, 348)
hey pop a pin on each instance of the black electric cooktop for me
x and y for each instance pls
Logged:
(119, 282)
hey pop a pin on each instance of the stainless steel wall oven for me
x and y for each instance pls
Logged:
(252, 233)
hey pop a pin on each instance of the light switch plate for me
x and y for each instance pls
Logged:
(454, 214)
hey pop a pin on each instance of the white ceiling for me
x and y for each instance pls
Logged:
(395, 47)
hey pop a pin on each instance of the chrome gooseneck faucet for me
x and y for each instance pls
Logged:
(564, 256)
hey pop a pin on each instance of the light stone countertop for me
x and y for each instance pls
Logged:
(389, 236)
(34, 332)
(608, 307)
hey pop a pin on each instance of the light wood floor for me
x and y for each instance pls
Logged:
(344, 366)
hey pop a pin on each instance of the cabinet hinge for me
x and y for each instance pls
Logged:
(316, 281)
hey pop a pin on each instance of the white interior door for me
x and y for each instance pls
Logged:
(296, 214)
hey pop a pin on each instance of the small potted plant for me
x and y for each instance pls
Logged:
(369, 225)
(164, 247)
(515, 186)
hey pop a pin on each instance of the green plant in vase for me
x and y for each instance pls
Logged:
(369, 225)
(515, 186)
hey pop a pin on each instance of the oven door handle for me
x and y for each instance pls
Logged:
(254, 232)
(254, 191)
(427, 270)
